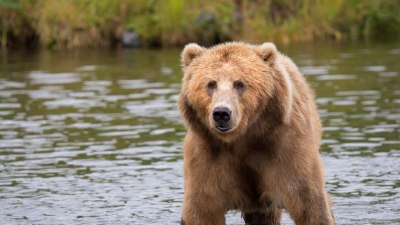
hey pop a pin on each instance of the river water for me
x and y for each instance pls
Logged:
(94, 136)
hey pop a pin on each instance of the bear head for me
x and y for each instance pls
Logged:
(226, 87)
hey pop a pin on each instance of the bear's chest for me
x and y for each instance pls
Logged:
(242, 168)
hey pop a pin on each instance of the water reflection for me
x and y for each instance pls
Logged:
(94, 137)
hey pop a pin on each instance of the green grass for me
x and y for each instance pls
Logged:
(87, 23)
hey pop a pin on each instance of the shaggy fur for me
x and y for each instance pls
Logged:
(269, 158)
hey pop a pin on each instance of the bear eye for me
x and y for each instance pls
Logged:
(212, 85)
(239, 85)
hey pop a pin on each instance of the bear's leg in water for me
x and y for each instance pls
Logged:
(309, 206)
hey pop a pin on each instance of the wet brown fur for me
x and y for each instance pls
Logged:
(271, 159)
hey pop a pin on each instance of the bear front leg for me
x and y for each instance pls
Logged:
(201, 209)
(271, 217)
(309, 206)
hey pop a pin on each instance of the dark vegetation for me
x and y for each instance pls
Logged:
(164, 23)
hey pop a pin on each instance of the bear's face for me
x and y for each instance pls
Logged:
(226, 86)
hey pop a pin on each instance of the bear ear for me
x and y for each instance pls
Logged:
(190, 52)
(267, 52)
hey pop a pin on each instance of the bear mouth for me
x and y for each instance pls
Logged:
(223, 129)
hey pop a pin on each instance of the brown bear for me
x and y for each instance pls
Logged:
(253, 138)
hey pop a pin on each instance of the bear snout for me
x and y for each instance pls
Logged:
(221, 116)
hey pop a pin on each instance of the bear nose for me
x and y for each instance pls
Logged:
(221, 114)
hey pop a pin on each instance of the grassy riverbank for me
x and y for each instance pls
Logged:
(86, 23)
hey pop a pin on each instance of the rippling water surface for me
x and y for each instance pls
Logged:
(94, 137)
